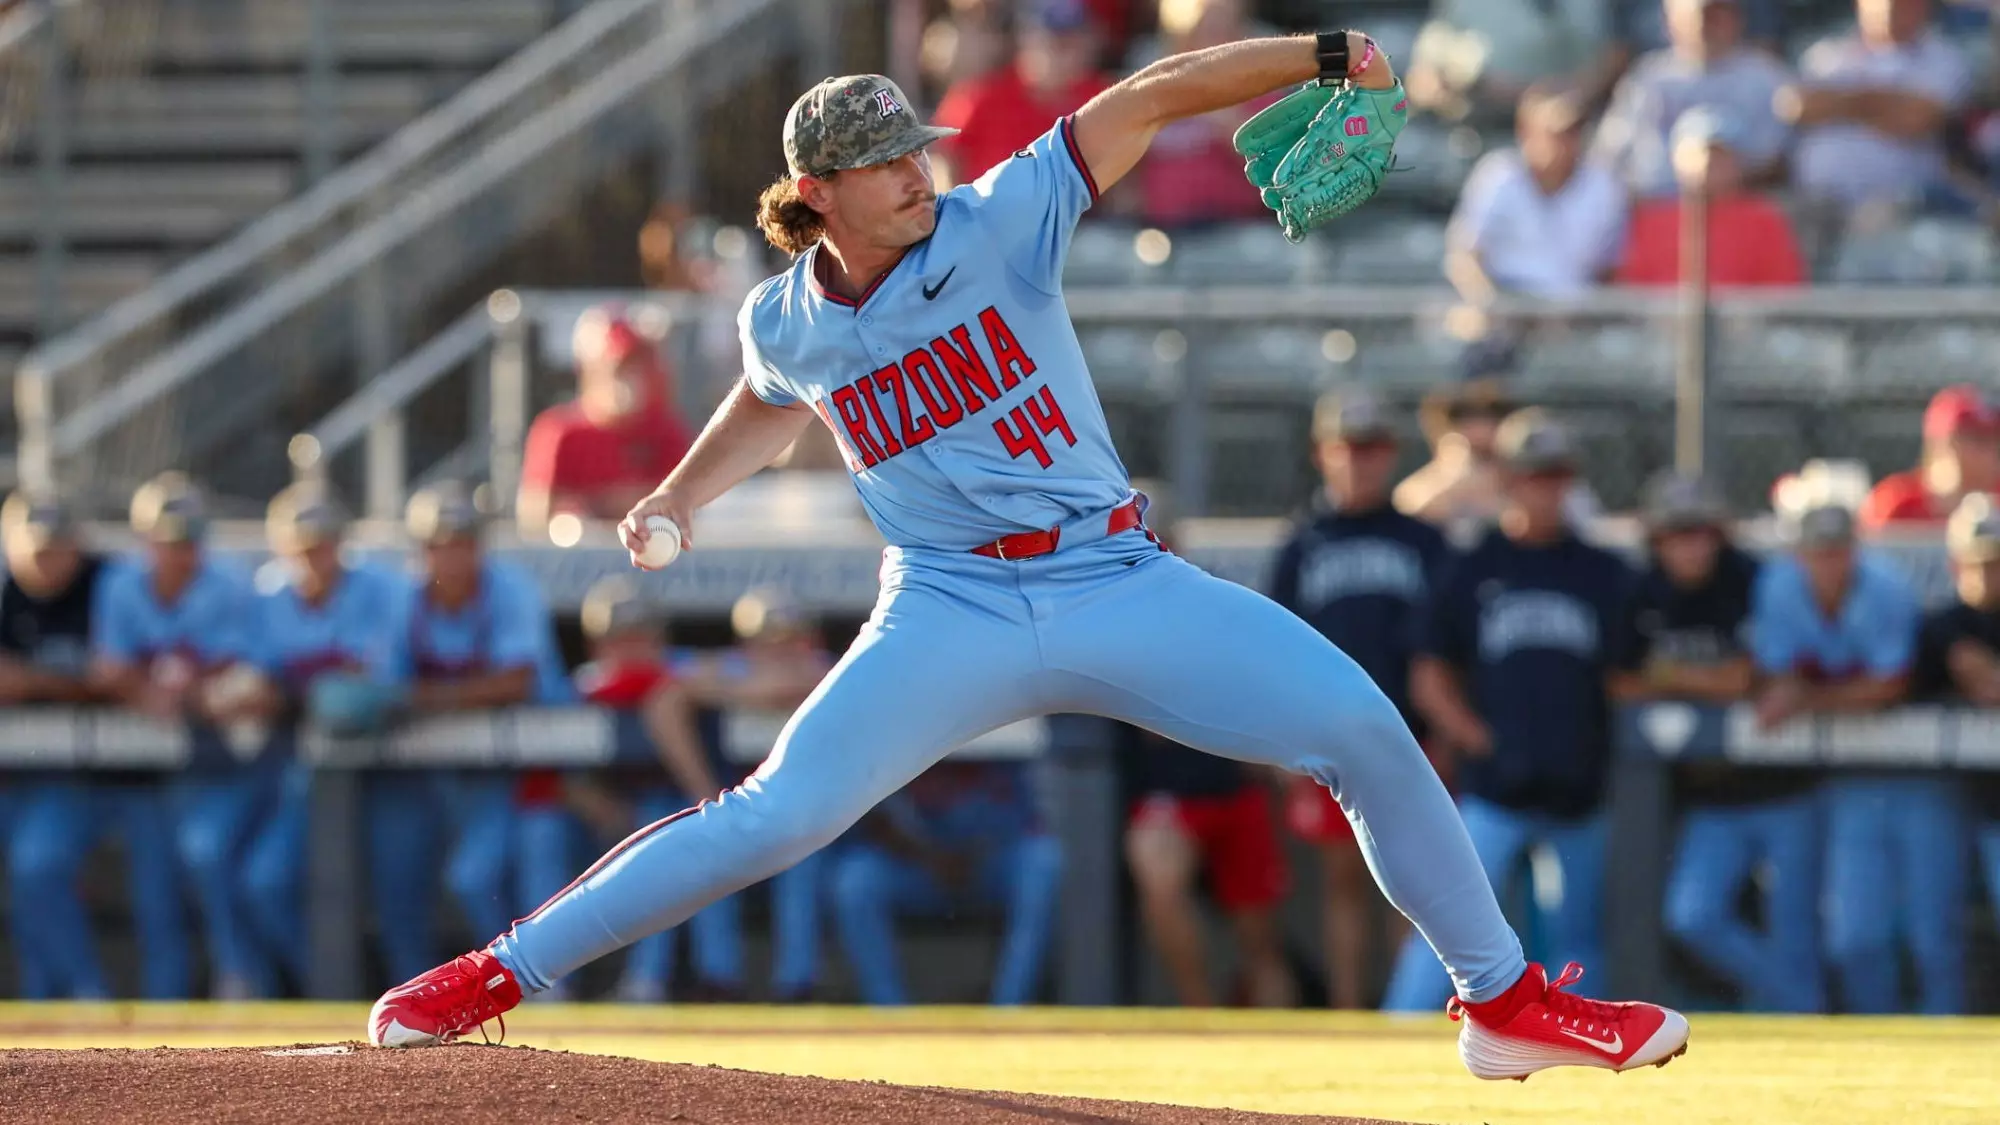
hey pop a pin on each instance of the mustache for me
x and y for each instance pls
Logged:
(926, 197)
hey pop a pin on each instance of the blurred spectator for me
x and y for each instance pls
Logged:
(1958, 653)
(968, 42)
(1474, 59)
(1683, 636)
(1460, 483)
(779, 658)
(961, 831)
(1542, 219)
(1871, 108)
(53, 589)
(167, 625)
(1961, 456)
(1357, 570)
(469, 633)
(1833, 633)
(1641, 26)
(1750, 239)
(663, 768)
(311, 617)
(1192, 173)
(1513, 655)
(1054, 72)
(665, 262)
(1198, 819)
(599, 455)
(1708, 66)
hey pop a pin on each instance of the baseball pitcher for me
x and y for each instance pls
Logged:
(929, 334)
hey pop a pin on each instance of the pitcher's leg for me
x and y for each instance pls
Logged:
(908, 691)
(1221, 668)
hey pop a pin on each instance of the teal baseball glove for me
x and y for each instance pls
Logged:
(1322, 151)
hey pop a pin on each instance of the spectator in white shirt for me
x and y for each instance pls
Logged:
(1707, 66)
(1540, 219)
(1872, 107)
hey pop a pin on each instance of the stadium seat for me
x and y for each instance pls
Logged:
(1102, 254)
(1924, 358)
(1782, 358)
(1928, 251)
(1391, 251)
(1598, 357)
(1238, 254)
(1124, 360)
(1263, 356)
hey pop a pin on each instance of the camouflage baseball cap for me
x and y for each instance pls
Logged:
(446, 510)
(853, 122)
(1530, 441)
(304, 515)
(1681, 502)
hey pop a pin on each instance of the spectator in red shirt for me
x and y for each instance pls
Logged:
(1750, 241)
(998, 114)
(1192, 174)
(598, 455)
(1961, 455)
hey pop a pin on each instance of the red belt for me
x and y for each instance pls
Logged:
(1035, 544)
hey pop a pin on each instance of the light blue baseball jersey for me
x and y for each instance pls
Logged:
(505, 626)
(206, 623)
(955, 385)
(292, 641)
(1874, 634)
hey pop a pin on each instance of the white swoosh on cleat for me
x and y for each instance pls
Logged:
(1609, 1046)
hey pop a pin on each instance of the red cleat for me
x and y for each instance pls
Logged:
(448, 1002)
(1535, 1025)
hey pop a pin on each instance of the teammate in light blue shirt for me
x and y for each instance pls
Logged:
(1835, 633)
(167, 624)
(312, 616)
(467, 633)
(930, 334)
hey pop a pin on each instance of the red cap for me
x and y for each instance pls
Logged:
(1961, 407)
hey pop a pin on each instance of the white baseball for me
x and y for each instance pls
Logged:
(663, 542)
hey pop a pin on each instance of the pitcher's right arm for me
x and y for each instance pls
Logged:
(745, 435)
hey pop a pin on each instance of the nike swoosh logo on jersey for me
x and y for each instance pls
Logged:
(1609, 1046)
(931, 291)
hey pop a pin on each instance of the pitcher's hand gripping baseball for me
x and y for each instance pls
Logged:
(654, 532)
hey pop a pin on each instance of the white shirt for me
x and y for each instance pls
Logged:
(1552, 245)
(1854, 163)
(1663, 85)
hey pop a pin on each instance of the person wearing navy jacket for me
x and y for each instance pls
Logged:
(1513, 656)
(1356, 569)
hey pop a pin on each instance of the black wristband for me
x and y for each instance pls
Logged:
(1331, 48)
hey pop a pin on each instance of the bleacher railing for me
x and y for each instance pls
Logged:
(327, 274)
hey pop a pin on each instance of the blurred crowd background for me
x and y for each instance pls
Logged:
(249, 300)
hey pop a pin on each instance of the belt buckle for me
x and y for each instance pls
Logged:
(1000, 549)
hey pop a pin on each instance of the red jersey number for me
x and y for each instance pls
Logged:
(1025, 428)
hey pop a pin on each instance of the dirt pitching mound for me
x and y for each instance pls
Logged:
(349, 1082)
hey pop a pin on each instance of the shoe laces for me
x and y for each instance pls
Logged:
(1578, 1011)
(464, 1001)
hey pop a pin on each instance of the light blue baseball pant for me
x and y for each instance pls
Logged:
(1989, 861)
(715, 933)
(960, 644)
(216, 814)
(1896, 868)
(56, 825)
(1777, 968)
(274, 872)
(871, 887)
(1571, 924)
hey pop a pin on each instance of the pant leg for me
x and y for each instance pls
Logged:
(51, 834)
(1025, 878)
(904, 694)
(213, 815)
(1716, 852)
(1789, 841)
(869, 888)
(1216, 666)
(1928, 824)
(649, 963)
(145, 824)
(1988, 840)
(1574, 922)
(403, 833)
(795, 914)
(1860, 895)
(1500, 837)
(480, 865)
(274, 870)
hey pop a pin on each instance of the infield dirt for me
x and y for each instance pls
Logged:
(311, 1084)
